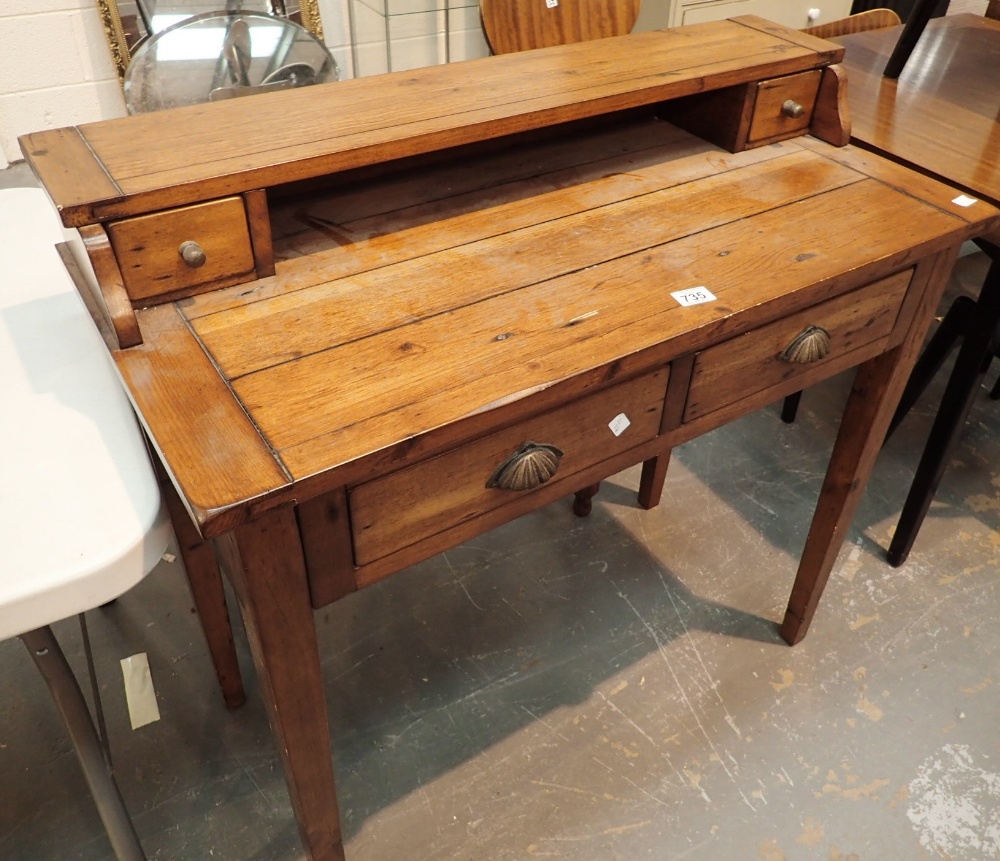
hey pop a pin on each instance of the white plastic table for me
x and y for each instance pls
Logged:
(81, 520)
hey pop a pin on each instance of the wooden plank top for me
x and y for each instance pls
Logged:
(378, 351)
(170, 158)
(941, 116)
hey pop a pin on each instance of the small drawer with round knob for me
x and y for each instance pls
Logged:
(782, 107)
(164, 254)
(781, 356)
(419, 501)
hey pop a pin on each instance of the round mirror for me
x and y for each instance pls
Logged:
(223, 55)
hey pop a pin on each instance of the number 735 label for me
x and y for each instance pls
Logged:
(693, 296)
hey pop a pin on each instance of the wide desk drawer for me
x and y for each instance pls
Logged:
(400, 509)
(178, 249)
(792, 346)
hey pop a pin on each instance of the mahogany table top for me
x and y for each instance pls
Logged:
(941, 116)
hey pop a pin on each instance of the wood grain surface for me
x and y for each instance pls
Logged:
(939, 116)
(370, 355)
(520, 25)
(180, 156)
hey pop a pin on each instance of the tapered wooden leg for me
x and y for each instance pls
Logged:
(205, 580)
(583, 499)
(874, 396)
(265, 563)
(862, 429)
(654, 473)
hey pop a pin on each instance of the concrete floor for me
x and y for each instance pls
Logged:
(610, 688)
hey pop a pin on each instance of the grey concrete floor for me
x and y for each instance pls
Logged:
(608, 688)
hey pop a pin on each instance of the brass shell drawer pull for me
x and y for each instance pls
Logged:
(792, 109)
(533, 464)
(192, 254)
(810, 345)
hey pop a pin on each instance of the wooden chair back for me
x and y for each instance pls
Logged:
(519, 25)
(873, 19)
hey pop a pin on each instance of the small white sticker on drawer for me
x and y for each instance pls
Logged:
(693, 296)
(551, 4)
(965, 200)
(619, 424)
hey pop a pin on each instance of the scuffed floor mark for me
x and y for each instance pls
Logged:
(695, 780)
(853, 563)
(855, 793)
(759, 793)
(865, 706)
(902, 794)
(980, 503)
(577, 790)
(861, 621)
(955, 805)
(978, 688)
(786, 678)
(662, 651)
(621, 829)
(870, 710)
(770, 851)
(812, 832)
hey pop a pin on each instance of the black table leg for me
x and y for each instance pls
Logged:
(966, 377)
(912, 31)
(956, 323)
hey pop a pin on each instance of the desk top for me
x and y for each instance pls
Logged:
(434, 322)
(941, 116)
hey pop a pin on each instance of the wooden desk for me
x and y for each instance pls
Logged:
(942, 117)
(431, 269)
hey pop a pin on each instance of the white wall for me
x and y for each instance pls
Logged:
(57, 71)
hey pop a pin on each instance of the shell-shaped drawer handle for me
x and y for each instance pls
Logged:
(192, 254)
(810, 345)
(533, 464)
(792, 109)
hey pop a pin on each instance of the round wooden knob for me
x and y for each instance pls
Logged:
(792, 109)
(533, 464)
(192, 254)
(810, 345)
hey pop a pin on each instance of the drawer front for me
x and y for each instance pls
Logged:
(772, 120)
(393, 512)
(754, 362)
(149, 248)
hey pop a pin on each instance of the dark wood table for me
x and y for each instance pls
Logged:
(942, 118)
(347, 315)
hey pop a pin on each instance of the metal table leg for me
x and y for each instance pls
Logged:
(51, 663)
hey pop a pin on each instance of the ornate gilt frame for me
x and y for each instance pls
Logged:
(309, 10)
(114, 33)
